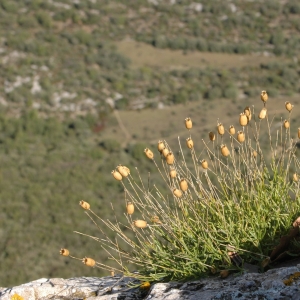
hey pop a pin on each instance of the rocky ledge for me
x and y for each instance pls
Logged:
(279, 284)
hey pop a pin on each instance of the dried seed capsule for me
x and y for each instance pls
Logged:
(128, 171)
(84, 204)
(264, 96)
(212, 136)
(288, 106)
(177, 193)
(140, 224)
(241, 136)
(299, 133)
(204, 164)
(243, 119)
(88, 262)
(224, 273)
(248, 113)
(189, 143)
(116, 175)
(160, 146)
(130, 208)
(112, 273)
(296, 223)
(254, 153)
(165, 152)
(188, 123)
(231, 130)
(145, 285)
(173, 173)
(155, 219)
(149, 153)
(170, 158)
(183, 185)
(123, 170)
(262, 113)
(224, 150)
(64, 252)
(221, 129)
(286, 124)
(295, 177)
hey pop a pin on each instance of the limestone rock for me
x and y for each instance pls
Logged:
(269, 286)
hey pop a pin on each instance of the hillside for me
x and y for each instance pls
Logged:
(66, 56)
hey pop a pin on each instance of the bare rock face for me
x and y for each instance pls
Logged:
(279, 284)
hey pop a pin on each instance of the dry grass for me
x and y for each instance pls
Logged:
(145, 55)
(229, 201)
(163, 123)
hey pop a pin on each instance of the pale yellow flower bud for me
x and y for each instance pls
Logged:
(149, 153)
(140, 224)
(264, 96)
(188, 123)
(64, 252)
(88, 262)
(130, 208)
(84, 204)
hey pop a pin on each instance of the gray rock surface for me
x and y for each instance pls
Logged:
(258, 286)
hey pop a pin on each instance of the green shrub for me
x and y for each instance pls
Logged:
(110, 145)
(228, 206)
(44, 19)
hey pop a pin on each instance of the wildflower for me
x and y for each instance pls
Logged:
(295, 177)
(264, 96)
(212, 136)
(165, 152)
(155, 219)
(183, 185)
(288, 106)
(149, 153)
(64, 252)
(130, 208)
(170, 158)
(140, 224)
(116, 175)
(204, 164)
(224, 273)
(224, 150)
(243, 119)
(124, 171)
(241, 136)
(177, 193)
(160, 146)
(145, 285)
(286, 124)
(84, 205)
(231, 130)
(220, 129)
(173, 173)
(16, 297)
(262, 113)
(188, 123)
(88, 262)
(189, 143)
(297, 222)
(248, 113)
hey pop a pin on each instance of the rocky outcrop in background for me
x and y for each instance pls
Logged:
(279, 284)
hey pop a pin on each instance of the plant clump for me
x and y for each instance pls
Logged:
(234, 202)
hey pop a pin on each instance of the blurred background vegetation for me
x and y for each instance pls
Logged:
(71, 71)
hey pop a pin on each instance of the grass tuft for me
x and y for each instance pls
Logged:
(227, 205)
